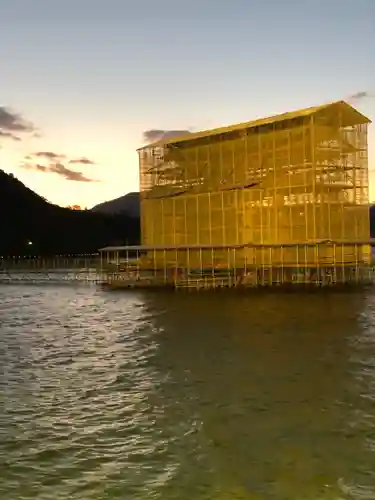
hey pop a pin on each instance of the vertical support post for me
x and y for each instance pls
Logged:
(229, 273)
(275, 236)
(198, 235)
(209, 174)
(188, 264)
(260, 200)
(313, 165)
(186, 242)
(246, 252)
(223, 242)
(176, 271)
(165, 266)
(297, 263)
(291, 197)
(343, 263)
(307, 200)
(270, 266)
(162, 236)
(243, 203)
(198, 242)
(201, 263)
(154, 266)
(209, 217)
(334, 270)
(174, 242)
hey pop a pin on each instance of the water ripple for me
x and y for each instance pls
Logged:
(136, 396)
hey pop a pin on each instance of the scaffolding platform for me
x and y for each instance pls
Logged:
(239, 267)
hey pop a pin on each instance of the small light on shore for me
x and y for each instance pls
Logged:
(29, 242)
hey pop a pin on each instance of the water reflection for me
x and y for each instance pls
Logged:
(269, 387)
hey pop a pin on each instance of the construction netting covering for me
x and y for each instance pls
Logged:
(295, 180)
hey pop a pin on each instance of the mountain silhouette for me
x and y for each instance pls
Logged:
(128, 204)
(30, 225)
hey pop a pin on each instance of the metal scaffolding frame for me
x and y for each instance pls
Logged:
(300, 177)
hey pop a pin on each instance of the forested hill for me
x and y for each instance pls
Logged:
(27, 217)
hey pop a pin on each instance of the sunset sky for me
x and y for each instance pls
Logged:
(82, 81)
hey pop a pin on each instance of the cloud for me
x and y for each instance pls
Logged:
(360, 95)
(154, 135)
(59, 169)
(69, 174)
(54, 163)
(9, 135)
(10, 121)
(35, 166)
(13, 125)
(82, 161)
(48, 154)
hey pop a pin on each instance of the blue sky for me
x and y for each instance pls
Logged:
(93, 75)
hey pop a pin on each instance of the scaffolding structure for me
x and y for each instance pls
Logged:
(296, 183)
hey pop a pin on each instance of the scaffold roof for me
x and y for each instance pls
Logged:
(344, 106)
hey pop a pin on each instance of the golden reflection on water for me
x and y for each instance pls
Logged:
(272, 386)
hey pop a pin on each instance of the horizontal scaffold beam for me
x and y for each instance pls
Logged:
(149, 248)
